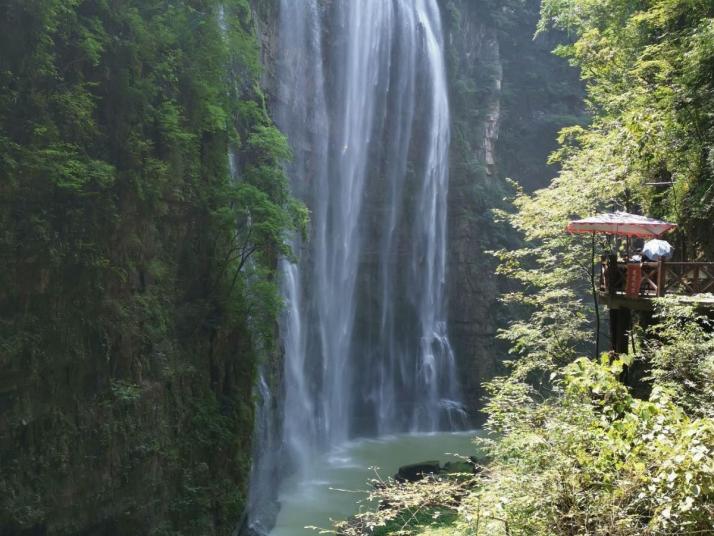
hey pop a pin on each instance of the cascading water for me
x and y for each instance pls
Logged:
(365, 337)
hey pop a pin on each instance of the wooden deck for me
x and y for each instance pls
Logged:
(633, 285)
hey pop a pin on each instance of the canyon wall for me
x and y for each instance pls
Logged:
(509, 98)
(127, 375)
(133, 307)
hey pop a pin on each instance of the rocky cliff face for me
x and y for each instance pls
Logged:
(476, 76)
(509, 97)
(128, 343)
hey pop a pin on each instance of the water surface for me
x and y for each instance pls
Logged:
(319, 498)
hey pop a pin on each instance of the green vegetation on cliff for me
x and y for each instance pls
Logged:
(137, 263)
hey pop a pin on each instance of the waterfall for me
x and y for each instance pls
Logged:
(363, 98)
(366, 344)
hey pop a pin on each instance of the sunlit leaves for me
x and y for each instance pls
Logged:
(649, 70)
(595, 460)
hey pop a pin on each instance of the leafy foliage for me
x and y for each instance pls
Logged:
(592, 459)
(648, 66)
(407, 507)
(136, 256)
(588, 459)
(681, 350)
(574, 452)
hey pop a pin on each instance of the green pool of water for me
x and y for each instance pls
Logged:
(338, 480)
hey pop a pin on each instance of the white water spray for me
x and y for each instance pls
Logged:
(365, 336)
(366, 344)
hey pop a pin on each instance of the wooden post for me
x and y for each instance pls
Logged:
(620, 321)
(695, 282)
(661, 278)
(595, 300)
(612, 274)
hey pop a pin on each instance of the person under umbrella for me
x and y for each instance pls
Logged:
(655, 250)
(615, 224)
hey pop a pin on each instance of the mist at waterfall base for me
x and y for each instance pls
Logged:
(337, 487)
(366, 349)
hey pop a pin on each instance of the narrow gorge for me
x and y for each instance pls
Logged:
(392, 262)
(176, 343)
(357, 267)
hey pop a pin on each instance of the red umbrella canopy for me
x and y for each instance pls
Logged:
(621, 224)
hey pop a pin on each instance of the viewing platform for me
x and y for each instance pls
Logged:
(633, 285)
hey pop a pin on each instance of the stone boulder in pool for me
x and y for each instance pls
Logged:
(417, 471)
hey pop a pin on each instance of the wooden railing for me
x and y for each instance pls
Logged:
(655, 279)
